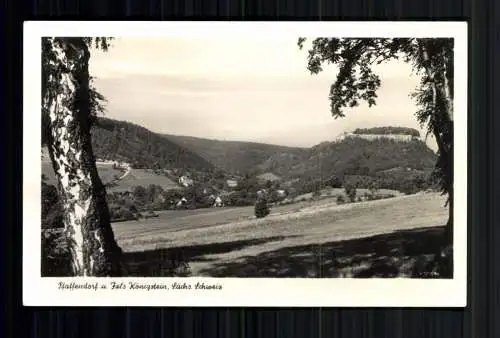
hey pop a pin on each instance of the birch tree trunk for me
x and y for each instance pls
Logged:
(86, 215)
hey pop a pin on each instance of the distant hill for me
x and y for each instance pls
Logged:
(123, 141)
(242, 157)
(128, 142)
(357, 156)
(350, 155)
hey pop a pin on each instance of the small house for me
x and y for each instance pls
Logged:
(281, 193)
(185, 181)
(218, 202)
(181, 202)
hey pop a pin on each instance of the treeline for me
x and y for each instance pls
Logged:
(144, 202)
(407, 182)
(387, 131)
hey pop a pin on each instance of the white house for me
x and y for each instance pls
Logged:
(262, 193)
(185, 181)
(232, 183)
(218, 202)
(281, 193)
(182, 202)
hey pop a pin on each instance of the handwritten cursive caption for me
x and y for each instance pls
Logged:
(130, 285)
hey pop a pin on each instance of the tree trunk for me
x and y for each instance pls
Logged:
(444, 138)
(86, 214)
(448, 90)
(449, 79)
(449, 225)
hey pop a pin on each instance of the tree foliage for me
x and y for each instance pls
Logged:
(112, 139)
(261, 209)
(51, 69)
(356, 81)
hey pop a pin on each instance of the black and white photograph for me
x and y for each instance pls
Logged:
(247, 155)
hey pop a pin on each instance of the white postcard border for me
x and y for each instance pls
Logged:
(294, 292)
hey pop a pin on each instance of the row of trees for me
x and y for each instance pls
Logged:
(388, 130)
(405, 182)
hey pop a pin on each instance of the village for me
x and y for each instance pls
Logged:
(189, 193)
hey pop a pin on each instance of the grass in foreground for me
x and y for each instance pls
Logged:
(416, 253)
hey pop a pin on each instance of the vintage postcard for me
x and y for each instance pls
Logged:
(245, 164)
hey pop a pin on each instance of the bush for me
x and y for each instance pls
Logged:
(261, 208)
(56, 258)
(340, 199)
(52, 210)
(350, 191)
(334, 182)
(54, 218)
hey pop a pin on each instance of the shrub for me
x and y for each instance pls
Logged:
(340, 199)
(54, 218)
(373, 188)
(261, 208)
(52, 210)
(334, 182)
(350, 191)
(56, 258)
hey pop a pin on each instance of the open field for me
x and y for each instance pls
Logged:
(143, 177)
(310, 239)
(135, 177)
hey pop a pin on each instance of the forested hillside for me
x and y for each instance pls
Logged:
(118, 140)
(362, 157)
(242, 157)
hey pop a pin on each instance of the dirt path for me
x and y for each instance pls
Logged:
(127, 171)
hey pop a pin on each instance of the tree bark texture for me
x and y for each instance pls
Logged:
(86, 215)
(443, 129)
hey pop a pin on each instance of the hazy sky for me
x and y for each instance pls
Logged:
(237, 89)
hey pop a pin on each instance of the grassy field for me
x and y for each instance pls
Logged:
(143, 177)
(309, 239)
(107, 173)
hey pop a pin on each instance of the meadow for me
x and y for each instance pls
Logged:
(143, 177)
(108, 174)
(389, 237)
